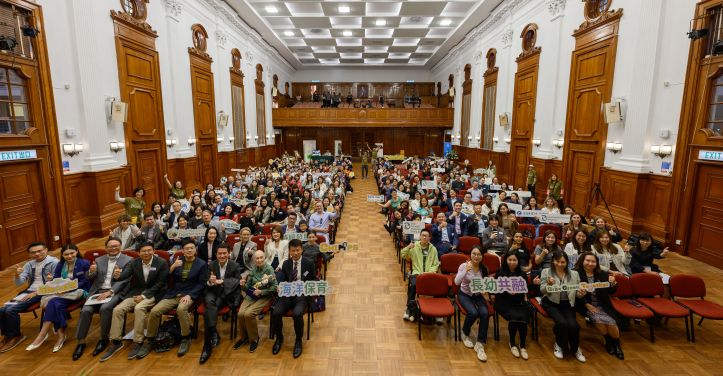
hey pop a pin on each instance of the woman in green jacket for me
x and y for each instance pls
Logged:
(561, 305)
(134, 205)
(555, 190)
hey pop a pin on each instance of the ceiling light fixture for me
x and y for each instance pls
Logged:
(272, 9)
(316, 31)
(445, 22)
(415, 19)
(289, 33)
(381, 22)
(343, 9)
(347, 33)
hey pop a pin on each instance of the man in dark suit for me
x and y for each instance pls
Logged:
(457, 219)
(476, 223)
(152, 232)
(188, 273)
(449, 203)
(444, 239)
(102, 269)
(295, 268)
(149, 286)
(222, 289)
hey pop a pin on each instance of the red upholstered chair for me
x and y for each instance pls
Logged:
(466, 243)
(624, 294)
(283, 203)
(428, 226)
(260, 241)
(320, 239)
(231, 240)
(433, 284)
(526, 227)
(164, 255)
(461, 311)
(268, 228)
(175, 256)
(537, 242)
(449, 265)
(690, 286)
(202, 308)
(492, 262)
(556, 228)
(532, 299)
(529, 244)
(461, 193)
(646, 286)
(133, 254)
(93, 254)
(290, 313)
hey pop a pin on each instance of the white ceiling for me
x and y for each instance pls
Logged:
(363, 33)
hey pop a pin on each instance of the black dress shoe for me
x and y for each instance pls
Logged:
(100, 347)
(254, 345)
(610, 345)
(240, 343)
(618, 350)
(297, 349)
(206, 352)
(277, 344)
(225, 318)
(216, 339)
(78, 351)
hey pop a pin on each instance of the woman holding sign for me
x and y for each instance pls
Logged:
(561, 305)
(613, 259)
(474, 304)
(534, 221)
(512, 306)
(596, 304)
(71, 267)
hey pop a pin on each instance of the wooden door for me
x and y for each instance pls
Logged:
(23, 211)
(582, 178)
(521, 154)
(706, 232)
(204, 114)
(147, 161)
(207, 163)
(523, 117)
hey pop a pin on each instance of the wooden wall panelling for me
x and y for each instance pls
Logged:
(140, 83)
(591, 83)
(363, 117)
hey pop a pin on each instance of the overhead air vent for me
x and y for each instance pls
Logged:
(398, 54)
(376, 42)
(415, 19)
(350, 49)
(316, 31)
(429, 42)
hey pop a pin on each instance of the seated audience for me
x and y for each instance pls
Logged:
(578, 245)
(152, 232)
(126, 232)
(243, 251)
(568, 231)
(545, 250)
(207, 249)
(444, 238)
(476, 223)
(276, 250)
(613, 259)
(493, 238)
(601, 225)
(517, 245)
(644, 254)
(473, 303)
(424, 260)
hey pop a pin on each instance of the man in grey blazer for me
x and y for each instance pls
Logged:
(152, 233)
(207, 217)
(105, 284)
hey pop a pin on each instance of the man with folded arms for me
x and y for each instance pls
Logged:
(34, 273)
(189, 279)
(295, 268)
(105, 284)
(149, 286)
(222, 289)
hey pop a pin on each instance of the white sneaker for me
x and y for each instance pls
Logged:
(579, 355)
(480, 348)
(440, 321)
(411, 318)
(467, 342)
(523, 353)
(406, 316)
(515, 351)
(558, 352)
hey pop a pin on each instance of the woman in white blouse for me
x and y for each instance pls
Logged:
(613, 259)
(276, 250)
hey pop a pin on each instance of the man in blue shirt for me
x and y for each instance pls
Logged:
(476, 192)
(319, 221)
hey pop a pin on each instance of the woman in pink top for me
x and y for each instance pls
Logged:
(474, 304)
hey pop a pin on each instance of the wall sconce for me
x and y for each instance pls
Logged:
(219, 139)
(256, 137)
(72, 149)
(469, 138)
(248, 135)
(508, 140)
(230, 139)
(171, 143)
(117, 146)
(191, 141)
(452, 137)
(536, 142)
(661, 150)
(558, 143)
(268, 135)
(495, 139)
(614, 147)
(478, 136)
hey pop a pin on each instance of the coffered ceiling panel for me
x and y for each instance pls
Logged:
(363, 32)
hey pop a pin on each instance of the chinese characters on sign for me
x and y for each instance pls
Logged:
(307, 288)
(499, 285)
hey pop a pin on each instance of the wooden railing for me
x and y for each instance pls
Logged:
(363, 117)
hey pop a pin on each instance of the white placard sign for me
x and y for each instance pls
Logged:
(519, 193)
(514, 207)
(488, 181)
(429, 184)
(412, 228)
(238, 202)
(403, 196)
(371, 198)
(467, 209)
(527, 213)
(583, 286)
(438, 169)
(231, 224)
(176, 233)
(495, 187)
(238, 170)
(554, 218)
(299, 235)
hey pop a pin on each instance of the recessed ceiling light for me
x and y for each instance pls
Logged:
(343, 9)
(289, 33)
(415, 19)
(347, 33)
(272, 10)
(445, 22)
(316, 31)
(381, 22)
(377, 42)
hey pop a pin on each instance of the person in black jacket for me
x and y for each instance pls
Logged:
(152, 232)
(222, 290)
(644, 255)
(512, 307)
(295, 268)
(249, 221)
(597, 305)
(458, 183)
(207, 248)
(601, 225)
(149, 286)
(472, 225)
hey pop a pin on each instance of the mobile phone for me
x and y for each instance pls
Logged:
(633, 302)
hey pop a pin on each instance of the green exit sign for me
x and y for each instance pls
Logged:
(17, 155)
(711, 155)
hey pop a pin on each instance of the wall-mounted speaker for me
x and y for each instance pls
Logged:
(612, 112)
(119, 111)
(503, 120)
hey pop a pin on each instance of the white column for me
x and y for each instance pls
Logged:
(250, 93)
(475, 121)
(171, 118)
(507, 83)
(639, 117)
(97, 147)
(269, 126)
(218, 77)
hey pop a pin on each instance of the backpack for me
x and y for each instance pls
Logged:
(318, 303)
(169, 335)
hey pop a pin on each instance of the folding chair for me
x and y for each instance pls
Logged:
(624, 295)
(646, 286)
(449, 265)
(433, 284)
(532, 299)
(690, 286)
(492, 262)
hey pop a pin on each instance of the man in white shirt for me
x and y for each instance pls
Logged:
(319, 221)
(475, 191)
(487, 207)
(105, 286)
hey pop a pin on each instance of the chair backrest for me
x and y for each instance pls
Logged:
(428, 226)
(432, 284)
(320, 239)
(283, 203)
(164, 255)
(260, 241)
(492, 262)
(94, 254)
(450, 263)
(231, 240)
(177, 255)
(687, 286)
(624, 290)
(645, 284)
(466, 243)
(537, 242)
(461, 193)
(133, 254)
(267, 229)
(526, 226)
(555, 228)
(529, 244)
(436, 209)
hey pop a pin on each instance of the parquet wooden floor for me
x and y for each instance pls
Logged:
(362, 331)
